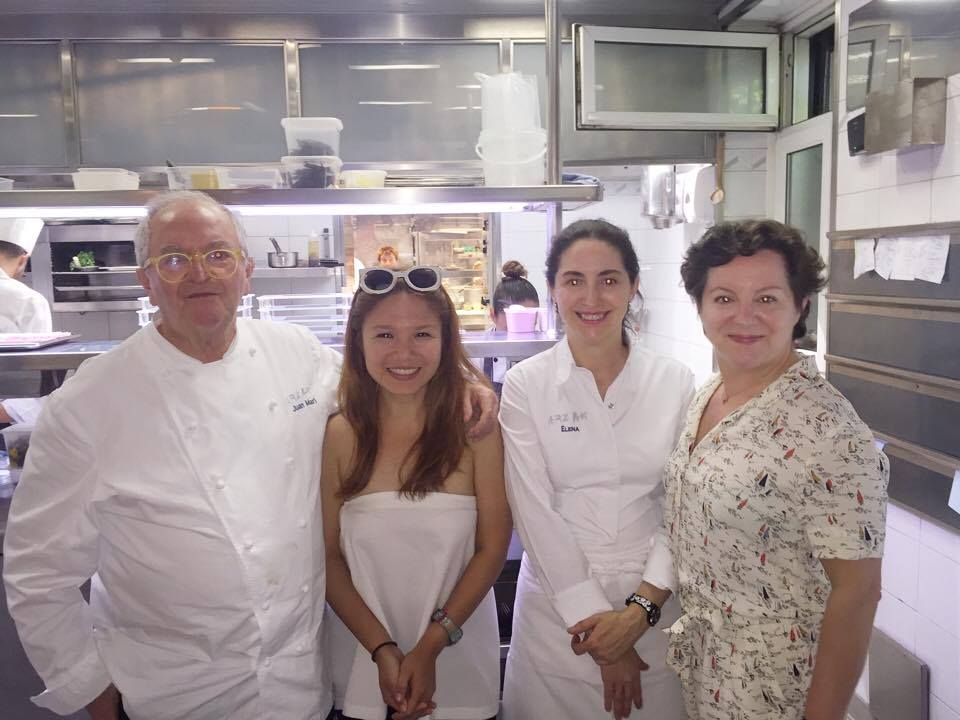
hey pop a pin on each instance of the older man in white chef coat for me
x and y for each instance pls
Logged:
(180, 472)
(22, 309)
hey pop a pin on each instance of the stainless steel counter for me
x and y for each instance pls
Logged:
(69, 355)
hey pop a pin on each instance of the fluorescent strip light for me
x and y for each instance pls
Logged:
(59, 213)
(144, 60)
(412, 208)
(464, 107)
(203, 108)
(468, 87)
(19, 115)
(395, 102)
(394, 67)
(185, 61)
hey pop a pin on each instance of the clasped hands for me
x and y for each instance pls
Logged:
(609, 638)
(407, 682)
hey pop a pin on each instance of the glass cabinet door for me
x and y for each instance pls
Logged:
(141, 104)
(399, 101)
(641, 78)
(31, 106)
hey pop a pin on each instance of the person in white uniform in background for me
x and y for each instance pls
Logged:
(22, 309)
(587, 428)
(180, 473)
(416, 520)
(513, 289)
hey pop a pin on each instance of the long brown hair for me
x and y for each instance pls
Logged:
(437, 451)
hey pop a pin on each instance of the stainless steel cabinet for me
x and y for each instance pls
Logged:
(645, 78)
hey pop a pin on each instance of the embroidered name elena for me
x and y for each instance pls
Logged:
(569, 428)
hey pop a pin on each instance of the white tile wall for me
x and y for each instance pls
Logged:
(900, 571)
(939, 576)
(941, 651)
(940, 711)
(898, 620)
(944, 204)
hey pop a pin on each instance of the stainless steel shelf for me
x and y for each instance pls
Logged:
(307, 272)
(68, 356)
(526, 197)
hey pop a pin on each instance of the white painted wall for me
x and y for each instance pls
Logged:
(920, 607)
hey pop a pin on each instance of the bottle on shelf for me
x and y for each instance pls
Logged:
(313, 249)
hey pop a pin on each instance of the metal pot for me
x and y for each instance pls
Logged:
(282, 259)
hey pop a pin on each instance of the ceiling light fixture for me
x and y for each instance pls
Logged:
(394, 67)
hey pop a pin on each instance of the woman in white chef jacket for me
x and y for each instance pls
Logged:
(587, 428)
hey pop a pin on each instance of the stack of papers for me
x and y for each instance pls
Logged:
(31, 341)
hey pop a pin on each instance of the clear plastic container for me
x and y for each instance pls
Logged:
(193, 177)
(311, 171)
(105, 179)
(233, 178)
(17, 439)
(324, 315)
(6, 184)
(312, 135)
(363, 178)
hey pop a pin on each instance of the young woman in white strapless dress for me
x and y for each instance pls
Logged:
(416, 521)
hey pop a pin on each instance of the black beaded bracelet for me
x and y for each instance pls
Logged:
(373, 653)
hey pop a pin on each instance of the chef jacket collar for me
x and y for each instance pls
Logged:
(172, 358)
(566, 363)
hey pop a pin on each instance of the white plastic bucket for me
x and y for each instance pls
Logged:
(313, 135)
(510, 102)
(515, 158)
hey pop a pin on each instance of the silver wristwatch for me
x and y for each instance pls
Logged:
(454, 633)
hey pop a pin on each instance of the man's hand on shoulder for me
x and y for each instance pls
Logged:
(480, 398)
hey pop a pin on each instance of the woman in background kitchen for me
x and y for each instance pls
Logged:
(416, 521)
(587, 428)
(513, 289)
(776, 498)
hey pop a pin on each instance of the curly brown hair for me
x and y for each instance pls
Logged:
(437, 452)
(726, 241)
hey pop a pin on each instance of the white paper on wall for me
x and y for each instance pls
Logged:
(906, 257)
(954, 501)
(883, 257)
(932, 260)
(863, 256)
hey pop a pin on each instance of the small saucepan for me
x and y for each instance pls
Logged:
(281, 259)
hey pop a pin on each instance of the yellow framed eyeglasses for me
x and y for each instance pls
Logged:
(219, 264)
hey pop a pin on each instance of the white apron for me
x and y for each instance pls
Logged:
(405, 557)
(544, 679)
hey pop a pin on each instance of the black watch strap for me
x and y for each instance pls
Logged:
(651, 608)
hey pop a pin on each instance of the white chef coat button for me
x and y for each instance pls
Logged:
(302, 523)
(299, 647)
(267, 662)
(272, 406)
(304, 588)
(253, 351)
(220, 483)
(610, 405)
(265, 605)
(192, 428)
(248, 544)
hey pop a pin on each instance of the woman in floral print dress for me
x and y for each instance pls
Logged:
(775, 499)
